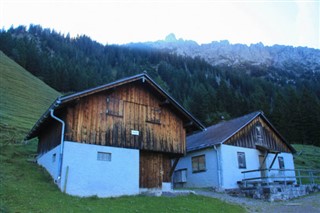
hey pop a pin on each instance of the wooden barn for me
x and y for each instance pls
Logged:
(115, 139)
(230, 152)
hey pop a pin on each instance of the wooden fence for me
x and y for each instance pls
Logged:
(280, 176)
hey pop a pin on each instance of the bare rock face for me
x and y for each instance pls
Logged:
(222, 53)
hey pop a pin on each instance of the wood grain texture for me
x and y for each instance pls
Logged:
(107, 118)
(247, 137)
(154, 169)
(50, 137)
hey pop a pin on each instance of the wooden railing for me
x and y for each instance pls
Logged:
(281, 176)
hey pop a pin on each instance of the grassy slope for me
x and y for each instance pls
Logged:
(26, 187)
(307, 157)
(23, 98)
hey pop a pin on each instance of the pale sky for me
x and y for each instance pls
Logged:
(286, 22)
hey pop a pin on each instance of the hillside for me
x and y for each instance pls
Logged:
(307, 157)
(24, 98)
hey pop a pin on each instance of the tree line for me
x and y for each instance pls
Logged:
(209, 93)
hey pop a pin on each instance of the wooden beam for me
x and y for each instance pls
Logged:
(264, 159)
(174, 166)
(273, 160)
(164, 102)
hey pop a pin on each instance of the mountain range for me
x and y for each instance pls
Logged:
(294, 60)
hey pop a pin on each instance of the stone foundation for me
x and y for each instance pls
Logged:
(276, 192)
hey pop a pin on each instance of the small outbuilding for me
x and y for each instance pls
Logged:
(236, 151)
(117, 139)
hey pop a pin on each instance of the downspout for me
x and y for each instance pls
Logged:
(219, 166)
(61, 146)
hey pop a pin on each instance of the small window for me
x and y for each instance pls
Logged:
(104, 156)
(198, 164)
(153, 115)
(242, 160)
(259, 134)
(54, 157)
(281, 162)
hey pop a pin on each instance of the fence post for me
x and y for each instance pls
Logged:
(285, 179)
(311, 177)
(299, 177)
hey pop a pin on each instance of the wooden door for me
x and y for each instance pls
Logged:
(154, 169)
(134, 120)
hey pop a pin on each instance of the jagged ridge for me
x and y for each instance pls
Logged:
(223, 53)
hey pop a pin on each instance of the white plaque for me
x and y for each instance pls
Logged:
(134, 132)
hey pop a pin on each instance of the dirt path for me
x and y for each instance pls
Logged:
(308, 204)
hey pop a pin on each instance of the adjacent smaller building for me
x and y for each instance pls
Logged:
(218, 156)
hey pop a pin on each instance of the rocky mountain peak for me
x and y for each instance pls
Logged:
(170, 38)
(222, 53)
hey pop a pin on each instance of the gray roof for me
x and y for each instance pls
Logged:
(221, 132)
(60, 102)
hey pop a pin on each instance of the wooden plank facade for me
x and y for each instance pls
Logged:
(49, 137)
(258, 132)
(132, 113)
(129, 117)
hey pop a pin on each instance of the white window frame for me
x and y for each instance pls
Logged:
(103, 156)
(242, 164)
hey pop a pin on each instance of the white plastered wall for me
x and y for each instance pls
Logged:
(50, 161)
(231, 173)
(88, 176)
(208, 178)
(288, 164)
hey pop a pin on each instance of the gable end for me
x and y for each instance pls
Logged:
(259, 133)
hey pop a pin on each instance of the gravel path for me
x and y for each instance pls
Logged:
(307, 204)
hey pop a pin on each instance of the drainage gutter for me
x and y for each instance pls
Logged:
(61, 144)
(219, 166)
